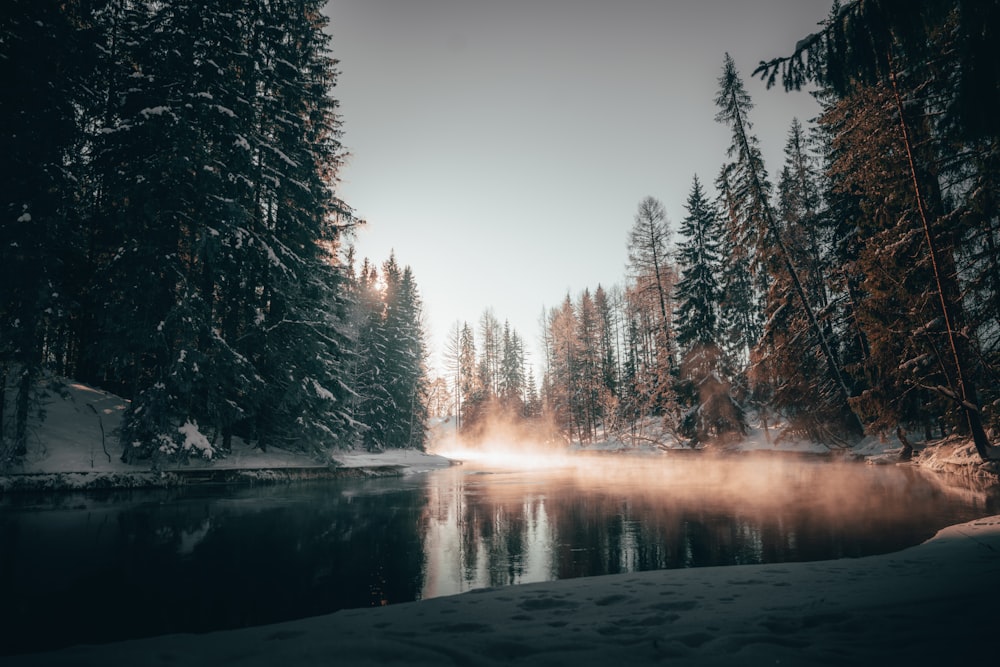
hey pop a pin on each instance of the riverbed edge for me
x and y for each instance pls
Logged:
(114, 481)
(938, 458)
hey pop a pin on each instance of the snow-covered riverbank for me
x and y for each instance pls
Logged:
(930, 604)
(76, 448)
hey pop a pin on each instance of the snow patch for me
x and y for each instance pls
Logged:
(154, 111)
(195, 440)
(322, 392)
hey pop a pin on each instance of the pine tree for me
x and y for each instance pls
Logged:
(890, 293)
(788, 362)
(453, 369)
(712, 410)
(297, 154)
(699, 258)
(511, 372)
(588, 385)
(740, 308)
(371, 400)
(491, 340)
(532, 402)
(609, 372)
(44, 53)
(472, 392)
(405, 372)
(200, 148)
(652, 280)
(562, 369)
(760, 229)
(391, 381)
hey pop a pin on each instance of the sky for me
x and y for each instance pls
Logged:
(501, 147)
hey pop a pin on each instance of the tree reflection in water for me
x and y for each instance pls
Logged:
(603, 515)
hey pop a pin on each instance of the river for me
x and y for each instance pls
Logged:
(91, 568)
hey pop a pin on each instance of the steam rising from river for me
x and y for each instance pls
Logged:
(522, 509)
(753, 481)
(502, 443)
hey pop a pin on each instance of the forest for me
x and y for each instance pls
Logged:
(856, 293)
(172, 232)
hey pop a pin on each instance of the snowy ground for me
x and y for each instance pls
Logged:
(931, 604)
(78, 440)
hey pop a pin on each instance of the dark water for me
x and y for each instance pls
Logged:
(92, 569)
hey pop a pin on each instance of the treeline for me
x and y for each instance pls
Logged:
(858, 292)
(170, 231)
(488, 380)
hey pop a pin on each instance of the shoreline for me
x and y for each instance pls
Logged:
(947, 458)
(242, 471)
(66, 482)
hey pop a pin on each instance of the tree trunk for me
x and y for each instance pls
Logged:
(907, 453)
(3, 404)
(22, 400)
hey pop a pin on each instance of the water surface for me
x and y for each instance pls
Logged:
(96, 568)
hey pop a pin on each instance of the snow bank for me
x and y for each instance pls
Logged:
(409, 460)
(927, 605)
(956, 455)
(79, 433)
(76, 448)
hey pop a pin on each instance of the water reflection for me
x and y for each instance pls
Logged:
(85, 568)
(605, 516)
(89, 569)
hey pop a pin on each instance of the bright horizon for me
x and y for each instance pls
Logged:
(501, 149)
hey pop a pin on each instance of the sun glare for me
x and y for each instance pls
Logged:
(499, 454)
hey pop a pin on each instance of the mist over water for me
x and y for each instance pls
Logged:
(511, 515)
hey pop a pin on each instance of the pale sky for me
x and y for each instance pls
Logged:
(501, 147)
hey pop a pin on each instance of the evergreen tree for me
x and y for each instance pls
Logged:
(472, 392)
(740, 308)
(532, 401)
(371, 398)
(191, 154)
(405, 376)
(699, 258)
(788, 362)
(760, 230)
(608, 352)
(652, 280)
(891, 295)
(511, 371)
(490, 342)
(587, 388)
(298, 154)
(713, 411)
(453, 370)
(562, 370)
(44, 52)
(391, 384)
